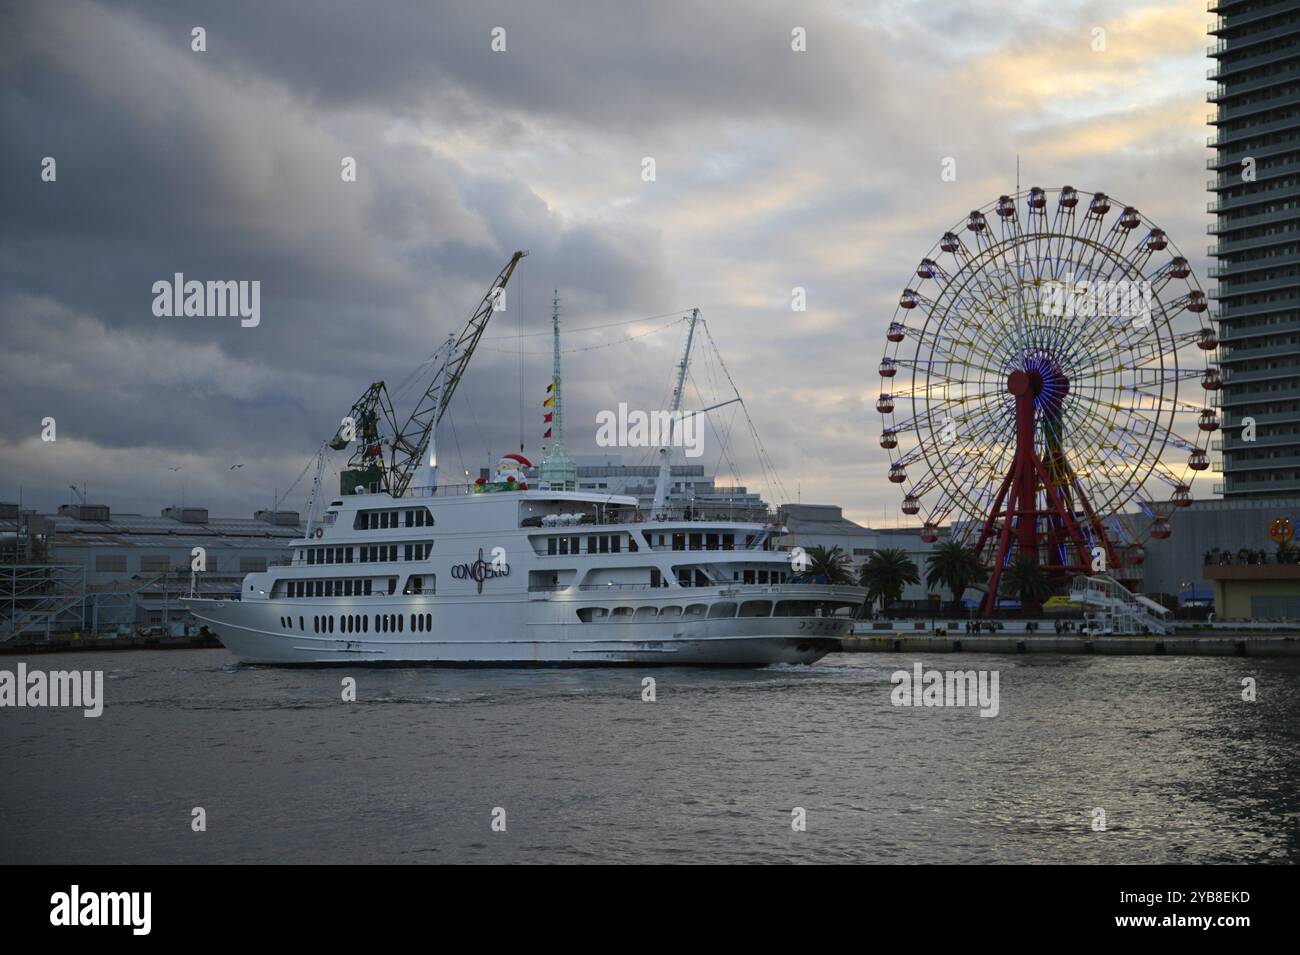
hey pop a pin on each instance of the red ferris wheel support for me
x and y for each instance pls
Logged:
(1045, 530)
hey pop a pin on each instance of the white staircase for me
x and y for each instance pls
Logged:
(1112, 608)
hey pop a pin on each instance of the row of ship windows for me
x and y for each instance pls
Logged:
(370, 553)
(379, 520)
(333, 588)
(361, 587)
(596, 544)
(360, 623)
(722, 610)
(698, 541)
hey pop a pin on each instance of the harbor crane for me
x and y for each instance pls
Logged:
(389, 459)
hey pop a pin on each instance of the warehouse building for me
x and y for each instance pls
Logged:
(86, 568)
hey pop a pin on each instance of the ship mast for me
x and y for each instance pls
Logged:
(665, 452)
(558, 471)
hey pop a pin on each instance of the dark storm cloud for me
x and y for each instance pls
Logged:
(174, 161)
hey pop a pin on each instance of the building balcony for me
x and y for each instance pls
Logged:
(1243, 571)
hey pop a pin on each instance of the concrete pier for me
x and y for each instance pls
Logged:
(1209, 644)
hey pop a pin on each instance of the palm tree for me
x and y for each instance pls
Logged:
(1025, 579)
(831, 564)
(885, 573)
(955, 566)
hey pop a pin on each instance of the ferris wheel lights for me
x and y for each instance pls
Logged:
(1207, 341)
(888, 368)
(1100, 205)
(1209, 421)
(911, 504)
(1196, 301)
(888, 439)
(1069, 197)
(1037, 198)
(1198, 460)
(895, 333)
(1129, 218)
(1157, 240)
(1006, 207)
(885, 404)
(975, 221)
(908, 299)
(1179, 268)
(1211, 380)
(897, 474)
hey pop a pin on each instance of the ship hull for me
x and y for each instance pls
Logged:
(251, 631)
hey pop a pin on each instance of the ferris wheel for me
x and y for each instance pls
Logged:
(1049, 383)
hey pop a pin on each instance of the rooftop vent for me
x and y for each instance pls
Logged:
(279, 518)
(187, 515)
(85, 512)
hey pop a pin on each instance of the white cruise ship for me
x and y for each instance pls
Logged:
(520, 577)
(401, 570)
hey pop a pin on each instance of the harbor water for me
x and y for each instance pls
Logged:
(577, 766)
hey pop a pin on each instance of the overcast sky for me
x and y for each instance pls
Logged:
(773, 169)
